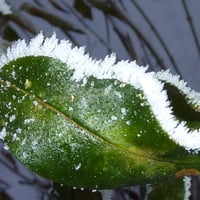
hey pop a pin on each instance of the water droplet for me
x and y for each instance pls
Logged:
(118, 94)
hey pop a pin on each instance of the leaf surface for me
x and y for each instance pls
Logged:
(91, 133)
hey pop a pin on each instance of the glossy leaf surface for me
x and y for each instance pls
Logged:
(95, 133)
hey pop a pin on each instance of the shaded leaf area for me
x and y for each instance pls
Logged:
(181, 108)
(92, 134)
(17, 183)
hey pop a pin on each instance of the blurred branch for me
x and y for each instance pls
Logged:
(190, 21)
(51, 18)
(126, 41)
(154, 30)
(57, 5)
(104, 6)
(82, 7)
(82, 21)
(23, 22)
(146, 58)
(124, 18)
(38, 2)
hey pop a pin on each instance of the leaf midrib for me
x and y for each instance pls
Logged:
(99, 138)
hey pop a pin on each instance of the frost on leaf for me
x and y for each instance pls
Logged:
(93, 123)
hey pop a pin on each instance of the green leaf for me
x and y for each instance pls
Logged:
(79, 129)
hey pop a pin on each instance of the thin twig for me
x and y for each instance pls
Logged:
(124, 18)
(87, 27)
(190, 21)
(154, 30)
(146, 55)
(125, 39)
(107, 30)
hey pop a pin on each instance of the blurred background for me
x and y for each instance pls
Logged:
(156, 33)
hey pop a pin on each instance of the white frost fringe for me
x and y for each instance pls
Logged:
(192, 96)
(125, 71)
(4, 8)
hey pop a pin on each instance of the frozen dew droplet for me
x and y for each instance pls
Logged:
(107, 89)
(34, 142)
(114, 118)
(27, 121)
(15, 137)
(18, 130)
(70, 108)
(77, 167)
(72, 98)
(24, 155)
(138, 135)
(84, 81)
(123, 111)
(13, 74)
(12, 118)
(35, 103)
(92, 84)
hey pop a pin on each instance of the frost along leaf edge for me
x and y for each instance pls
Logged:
(93, 123)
